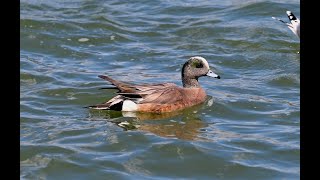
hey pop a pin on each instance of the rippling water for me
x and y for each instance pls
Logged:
(249, 128)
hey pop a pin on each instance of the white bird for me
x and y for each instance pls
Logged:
(294, 24)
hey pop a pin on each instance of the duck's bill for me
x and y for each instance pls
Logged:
(212, 74)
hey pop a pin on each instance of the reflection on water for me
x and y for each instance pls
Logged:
(187, 128)
(186, 123)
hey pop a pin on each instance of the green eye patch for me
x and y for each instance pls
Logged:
(197, 64)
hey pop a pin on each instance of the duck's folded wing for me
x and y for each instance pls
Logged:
(133, 89)
(122, 86)
(167, 95)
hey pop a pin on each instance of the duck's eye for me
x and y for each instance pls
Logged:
(199, 65)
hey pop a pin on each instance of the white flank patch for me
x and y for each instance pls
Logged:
(129, 106)
(205, 62)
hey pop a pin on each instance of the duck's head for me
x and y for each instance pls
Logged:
(194, 68)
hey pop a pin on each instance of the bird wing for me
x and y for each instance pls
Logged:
(168, 95)
(147, 93)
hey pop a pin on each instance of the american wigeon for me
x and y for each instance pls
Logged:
(163, 97)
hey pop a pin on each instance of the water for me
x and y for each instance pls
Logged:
(249, 128)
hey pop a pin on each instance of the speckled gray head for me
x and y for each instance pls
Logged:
(194, 68)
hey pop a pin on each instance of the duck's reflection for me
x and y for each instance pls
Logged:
(187, 128)
(184, 124)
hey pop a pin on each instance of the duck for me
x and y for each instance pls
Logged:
(294, 24)
(160, 97)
